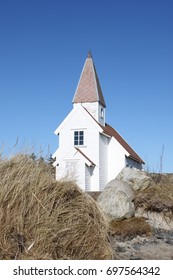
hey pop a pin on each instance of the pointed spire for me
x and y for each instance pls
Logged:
(89, 54)
(89, 89)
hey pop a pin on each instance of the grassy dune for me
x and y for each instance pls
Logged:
(41, 218)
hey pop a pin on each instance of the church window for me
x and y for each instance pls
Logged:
(102, 113)
(78, 138)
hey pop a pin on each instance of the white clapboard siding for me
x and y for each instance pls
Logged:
(103, 161)
(87, 178)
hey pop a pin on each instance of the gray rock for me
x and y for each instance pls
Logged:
(135, 178)
(120, 249)
(116, 200)
(169, 241)
(156, 219)
(121, 186)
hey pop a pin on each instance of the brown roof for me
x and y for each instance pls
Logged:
(89, 89)
(85, 156)
(112, 132)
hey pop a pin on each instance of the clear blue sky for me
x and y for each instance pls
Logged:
(43, 46)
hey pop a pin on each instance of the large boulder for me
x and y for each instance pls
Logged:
(116, 201)
(135, 178)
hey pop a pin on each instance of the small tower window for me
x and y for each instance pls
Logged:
(102, 113)
(78, 138)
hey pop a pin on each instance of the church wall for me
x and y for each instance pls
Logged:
(95, 109)
(133, 164)
(103, 161)
(116, 159)
(82, 122)
(71, 169)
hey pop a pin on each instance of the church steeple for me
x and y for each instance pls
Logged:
(88, 88)
(89, 54)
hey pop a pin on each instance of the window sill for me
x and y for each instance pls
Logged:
(80, 146)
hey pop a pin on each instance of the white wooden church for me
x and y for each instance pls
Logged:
(90, 151)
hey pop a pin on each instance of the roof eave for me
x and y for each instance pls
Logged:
(136, 159)
(88, 161)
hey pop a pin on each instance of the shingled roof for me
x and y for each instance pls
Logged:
(88, 88)
(109, 130)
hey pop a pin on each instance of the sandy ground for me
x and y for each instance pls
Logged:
(158, 247)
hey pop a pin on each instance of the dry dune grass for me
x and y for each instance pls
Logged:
(157, 198)
(130, 228)
(41, 218)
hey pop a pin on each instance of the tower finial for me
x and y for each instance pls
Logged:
(89, 54)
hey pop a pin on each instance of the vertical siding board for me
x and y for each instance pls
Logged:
(116, 158)
(87, 178)
(103, 161)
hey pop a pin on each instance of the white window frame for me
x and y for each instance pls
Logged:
(78, 137)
